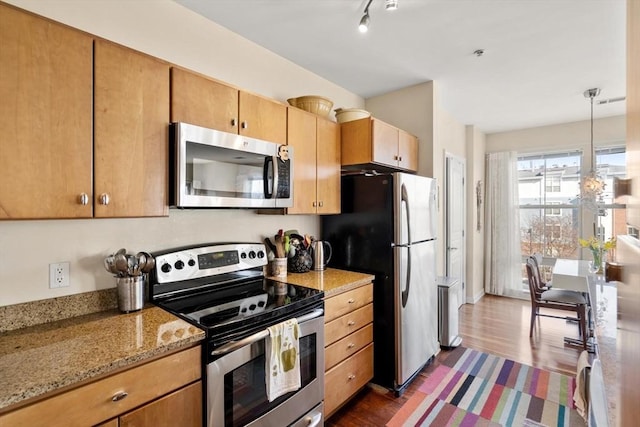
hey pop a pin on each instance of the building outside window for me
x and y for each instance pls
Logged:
(550, 212)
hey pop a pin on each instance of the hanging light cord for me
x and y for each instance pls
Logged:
(593, 153)
(366, 8)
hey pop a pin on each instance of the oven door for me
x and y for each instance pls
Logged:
(236, 390)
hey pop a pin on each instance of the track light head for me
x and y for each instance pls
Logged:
(364, 23)
(391, 4)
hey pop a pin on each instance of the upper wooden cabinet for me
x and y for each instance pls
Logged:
(131, 133)
(49, 164)
(46, 118)
(371, 141)
(205, 102)
(316, 143)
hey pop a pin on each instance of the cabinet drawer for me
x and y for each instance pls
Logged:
(346, 378)
(350, 322)
(340, 350)
(346, 302)
(93, 403)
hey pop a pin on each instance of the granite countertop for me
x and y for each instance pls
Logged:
(39, 359)
(332, 281)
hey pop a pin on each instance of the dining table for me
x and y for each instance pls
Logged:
(576, 275)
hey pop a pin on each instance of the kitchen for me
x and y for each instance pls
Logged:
(84, 243)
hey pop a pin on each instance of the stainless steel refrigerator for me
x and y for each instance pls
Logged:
(388, 228)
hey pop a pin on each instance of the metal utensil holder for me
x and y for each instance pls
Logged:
(130, 293)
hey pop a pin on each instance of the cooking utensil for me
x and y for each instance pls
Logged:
(141, 259)
(120, 260)
(149, 264)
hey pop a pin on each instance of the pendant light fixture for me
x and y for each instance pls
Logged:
(592, 184)
(366, 19)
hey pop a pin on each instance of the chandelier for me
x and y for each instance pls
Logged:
(592, 185)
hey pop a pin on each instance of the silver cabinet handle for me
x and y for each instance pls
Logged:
(351, 323)
(233, 122)
(83, 199)
(321, 204)
(351, 301)
(244, 125)
(119, 396)
(351, 345)
(315, 204)
(104, 199)
(351, 377)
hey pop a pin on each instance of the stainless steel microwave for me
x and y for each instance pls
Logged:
(215, 169)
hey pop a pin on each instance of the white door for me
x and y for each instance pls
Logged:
(455, 221)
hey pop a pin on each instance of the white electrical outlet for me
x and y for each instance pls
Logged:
(58, 275)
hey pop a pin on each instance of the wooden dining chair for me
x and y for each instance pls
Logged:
(544, 284)
(558, 299)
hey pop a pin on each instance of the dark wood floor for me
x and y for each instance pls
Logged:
(494, 325)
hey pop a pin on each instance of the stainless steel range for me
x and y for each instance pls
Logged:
(222, 289)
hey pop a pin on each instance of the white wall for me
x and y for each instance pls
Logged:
(606, 131)
(166, 30)
(417, 110)
(476, 146)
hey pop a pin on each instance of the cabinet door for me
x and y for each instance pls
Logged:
(131, 132)
(45, 117)
(203, 102)
(407, 151)
(385, 143)
(262, 118)
(328, 167)
(301, 135)
(182, 408)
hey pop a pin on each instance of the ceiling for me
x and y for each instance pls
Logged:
(539, 55)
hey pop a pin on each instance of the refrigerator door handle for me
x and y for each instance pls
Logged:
(404, 198)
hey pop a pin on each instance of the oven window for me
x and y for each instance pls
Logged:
(245, 393)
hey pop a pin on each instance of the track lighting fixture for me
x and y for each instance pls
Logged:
(365, 20)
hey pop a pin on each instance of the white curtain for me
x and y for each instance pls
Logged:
(503, 262)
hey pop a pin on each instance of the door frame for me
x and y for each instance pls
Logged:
(448, 196)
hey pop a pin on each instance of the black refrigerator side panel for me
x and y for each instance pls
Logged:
(361, 238)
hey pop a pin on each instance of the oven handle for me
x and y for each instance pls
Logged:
(234, 345)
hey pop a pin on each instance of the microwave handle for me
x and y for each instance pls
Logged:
(270, 177)
(234, 345)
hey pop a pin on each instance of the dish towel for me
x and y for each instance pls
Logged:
(580, 398)
(282, 359)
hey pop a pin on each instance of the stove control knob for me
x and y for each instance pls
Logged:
(191, 262)
(243, 255)
(252, 254)
(261, 254)
(179, 265)
(165, 267)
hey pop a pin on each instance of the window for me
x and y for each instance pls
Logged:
(552, 183)
(548, 186)
(553, 211)
(612, 218)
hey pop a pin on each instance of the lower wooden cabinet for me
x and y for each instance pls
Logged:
(345, 379)
(348, 345)
(163, 392)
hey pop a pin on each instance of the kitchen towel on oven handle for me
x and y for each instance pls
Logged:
(282, 359)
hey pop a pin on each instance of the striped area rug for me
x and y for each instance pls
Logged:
(472, 388)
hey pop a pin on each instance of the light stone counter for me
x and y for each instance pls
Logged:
(43, 358)
(331, 280)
